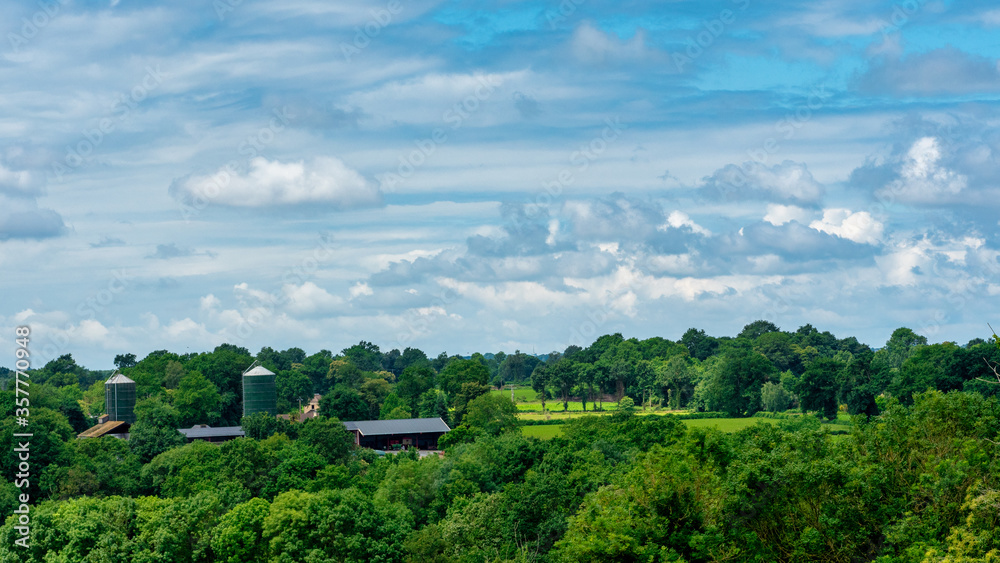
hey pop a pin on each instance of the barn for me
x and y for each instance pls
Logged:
(421, 433)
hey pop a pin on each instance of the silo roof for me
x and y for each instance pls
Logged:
(119, 378)
(259, 370)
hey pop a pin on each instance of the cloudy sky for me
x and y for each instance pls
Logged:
(491, 175)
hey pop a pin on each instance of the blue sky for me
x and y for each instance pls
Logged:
(494, 175)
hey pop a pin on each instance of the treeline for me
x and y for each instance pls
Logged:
(913, 482)
(917, 483)
(761, 368)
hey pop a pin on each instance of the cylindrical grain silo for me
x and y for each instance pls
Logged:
(259, 394)
(119, 398)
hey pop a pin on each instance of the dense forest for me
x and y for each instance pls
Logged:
(915, 480)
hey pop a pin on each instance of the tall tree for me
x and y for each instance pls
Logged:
(124, 361)
(365, 355)
(155, 428)
(734, 383)
(817, 388)
(699, 344)
(197, 400)
(756, 329)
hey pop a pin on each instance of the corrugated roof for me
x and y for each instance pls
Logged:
(259, 370)
(111, 427)
(401, 426)
(209, 432)
(119, 378)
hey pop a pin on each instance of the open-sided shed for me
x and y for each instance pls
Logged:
(422, 433)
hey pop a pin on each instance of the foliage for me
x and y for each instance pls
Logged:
(155, 429)
(493, 414)
(774, 397)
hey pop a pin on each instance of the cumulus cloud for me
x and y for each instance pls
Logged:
(680, 220)
(858, 227)
(922, 178)
(21, 218)
(361, 289)
(937, 72)
(778, 215)
(323, 181)
(785, 182)
(310, 299)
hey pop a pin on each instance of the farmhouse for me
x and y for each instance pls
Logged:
(421, 433)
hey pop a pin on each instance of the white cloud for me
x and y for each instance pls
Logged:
(324, 180)
(359, 289)
(679, 219)
(859, 227)
(553, 231)
(921, 177)
(309, 298)
(18, 182)
(210, 302)
(778, 215)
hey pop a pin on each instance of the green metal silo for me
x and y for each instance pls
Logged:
(258, 391)
(119, 398)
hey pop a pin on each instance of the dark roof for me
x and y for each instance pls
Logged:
(110, 427)
(401, 426)
(209, 432)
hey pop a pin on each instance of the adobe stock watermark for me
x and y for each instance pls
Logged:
(364, 35)
(455, 117)
(696, 45)
(121, 110)
(902, 13)
(22, 453)
(563, 12)
(251, 147)
(31, 26)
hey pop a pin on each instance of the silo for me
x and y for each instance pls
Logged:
(258, 391)
(119, 398)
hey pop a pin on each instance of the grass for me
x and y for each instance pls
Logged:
(723, 424)
(727, 424)
(521, 394)
(543, 432)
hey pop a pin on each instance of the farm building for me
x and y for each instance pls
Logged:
(209, 434)
(310, 411)
(421, 433)
(111, 429)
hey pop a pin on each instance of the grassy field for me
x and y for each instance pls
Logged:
(543, 432)
(723, 424)
(530, 408)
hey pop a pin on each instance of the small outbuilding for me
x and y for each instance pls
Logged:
(420, 433)
(210, 434)
(110, 429)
